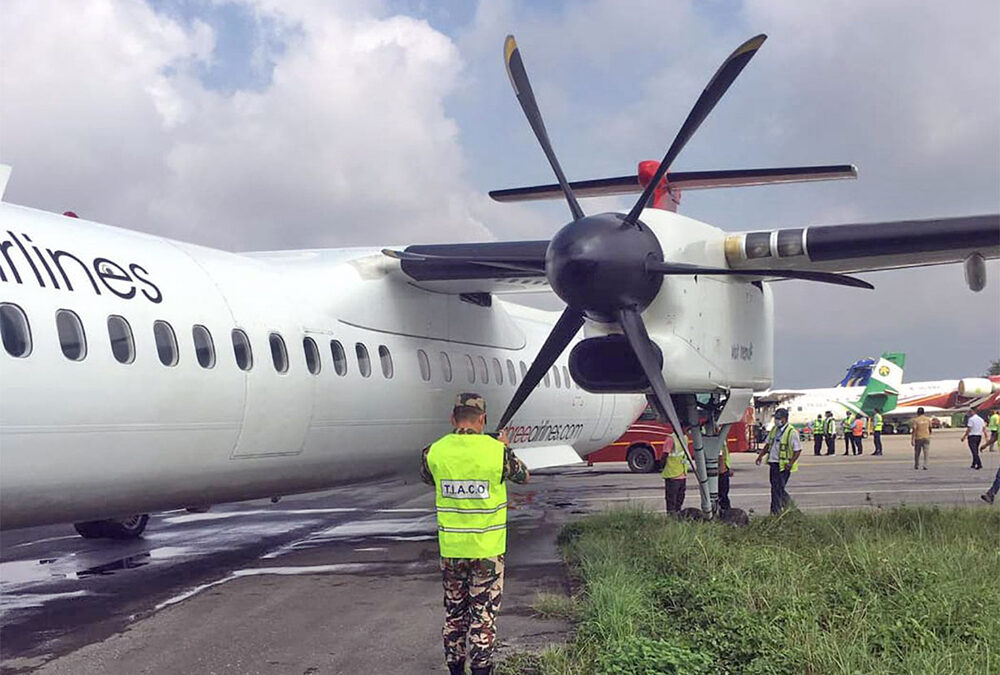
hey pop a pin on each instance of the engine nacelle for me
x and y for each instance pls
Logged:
(973, 387)
(608, 365)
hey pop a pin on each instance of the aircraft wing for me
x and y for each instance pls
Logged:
(867, 247)
(496, 267)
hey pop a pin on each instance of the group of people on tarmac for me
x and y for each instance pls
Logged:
(852, 428)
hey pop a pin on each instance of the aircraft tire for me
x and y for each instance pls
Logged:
(640, 459)
(90, 529)
(126, 528)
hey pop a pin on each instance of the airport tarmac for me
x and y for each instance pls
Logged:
(347, 581)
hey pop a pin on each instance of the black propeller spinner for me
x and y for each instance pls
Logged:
(609, 267)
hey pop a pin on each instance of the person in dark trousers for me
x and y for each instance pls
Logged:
(674, 479)
(469, 470)
(858, 434)
(782, 450)
(819, 433)
(991, 494)
(848, 438)
(877, 432)
(974, 426)
(830, 430)
(724, 473)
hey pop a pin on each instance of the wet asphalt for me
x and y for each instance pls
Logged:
(347, 581)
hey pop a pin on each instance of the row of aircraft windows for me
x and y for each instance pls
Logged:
(16, 336)
(477, 370)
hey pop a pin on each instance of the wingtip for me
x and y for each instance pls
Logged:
(388, 252)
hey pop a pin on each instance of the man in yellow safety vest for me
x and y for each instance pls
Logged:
(994, 429)
(674, 478)
(783, 448)
(818, 428)
(877, 432)
(831, 433)
(469, 471)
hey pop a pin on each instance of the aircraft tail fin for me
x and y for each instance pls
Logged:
(882, 391)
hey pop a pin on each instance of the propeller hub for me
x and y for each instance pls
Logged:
(597, 265)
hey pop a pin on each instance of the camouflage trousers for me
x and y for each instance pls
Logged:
(472, 591)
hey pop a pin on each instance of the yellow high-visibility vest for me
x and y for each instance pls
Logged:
(675, 467)
(994, 422)
(470, 495)
(878, 422)
(784, 446)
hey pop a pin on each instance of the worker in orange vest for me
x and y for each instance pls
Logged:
(857, 433)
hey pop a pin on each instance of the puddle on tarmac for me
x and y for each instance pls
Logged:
(105, 569)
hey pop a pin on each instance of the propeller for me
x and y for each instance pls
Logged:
(609, 267)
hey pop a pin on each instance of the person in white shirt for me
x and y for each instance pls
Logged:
(974, 426)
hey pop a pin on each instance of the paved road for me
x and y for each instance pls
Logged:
(346, 581)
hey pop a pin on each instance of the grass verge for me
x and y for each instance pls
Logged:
(909, 590)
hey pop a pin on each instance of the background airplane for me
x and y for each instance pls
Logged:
(937, 397)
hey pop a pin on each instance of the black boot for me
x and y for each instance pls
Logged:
(456, 668)
(485, 670)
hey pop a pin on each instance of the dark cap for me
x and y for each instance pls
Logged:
(471, 400)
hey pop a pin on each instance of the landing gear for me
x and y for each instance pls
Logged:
(113, 528)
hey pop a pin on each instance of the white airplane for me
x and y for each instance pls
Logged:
(936, 397)
(141, 374)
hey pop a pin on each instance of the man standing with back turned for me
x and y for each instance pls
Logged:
(782, 449)
(469, 470)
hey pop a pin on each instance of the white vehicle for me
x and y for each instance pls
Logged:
(141, 373)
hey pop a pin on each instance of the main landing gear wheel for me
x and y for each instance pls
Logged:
(112, 528)
(640, 459)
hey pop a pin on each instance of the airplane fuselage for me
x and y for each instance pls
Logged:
(163, 419)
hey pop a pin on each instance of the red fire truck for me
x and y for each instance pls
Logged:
(646, 442)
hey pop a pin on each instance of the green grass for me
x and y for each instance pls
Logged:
(910, 590)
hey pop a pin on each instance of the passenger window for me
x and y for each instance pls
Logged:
(511, 373)
(555, 376)
(484, 374)
(120, 334)
(312, 355)
(204, 347)
(385, 358)
(547, 381)
(71, 335)
(166, 343)
(241, 350)
(364, 363)
(14, 330)
(425, 365)
(446, 367)
(524, 370)
(497, 371)
(470, 370)
(339, 357)
(566, 378)
(279, 355)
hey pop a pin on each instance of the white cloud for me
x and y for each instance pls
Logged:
(349, 143)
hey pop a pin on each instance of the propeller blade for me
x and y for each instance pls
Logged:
(566, 328)
(522, 89)
(714, 91)
(638, 339)
(808, 275)
(519, 264)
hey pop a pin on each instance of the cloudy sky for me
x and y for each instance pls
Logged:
(267, 124)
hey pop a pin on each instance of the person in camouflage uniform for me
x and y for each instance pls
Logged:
(473, 586)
